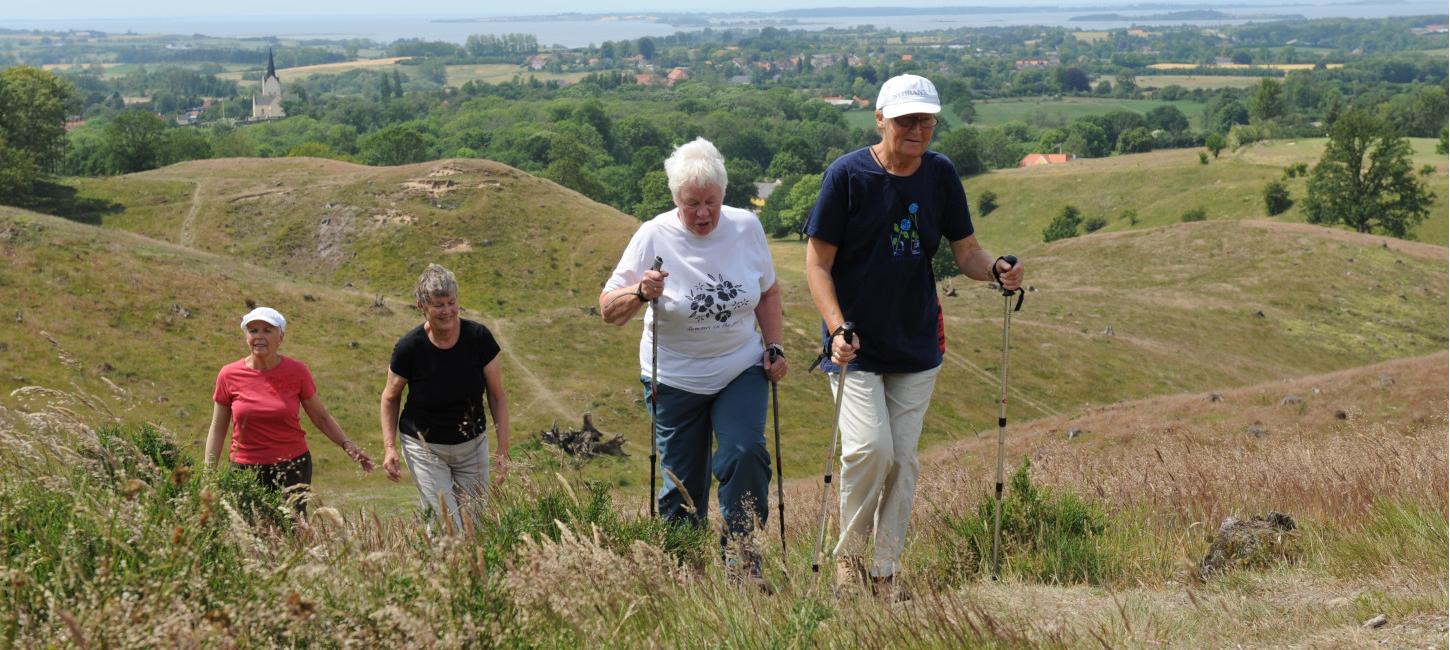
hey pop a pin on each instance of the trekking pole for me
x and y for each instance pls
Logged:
(779, 469)
(654, 395)
(847, 332)
(1002, 410)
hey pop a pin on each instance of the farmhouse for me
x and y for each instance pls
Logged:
(1034, 159)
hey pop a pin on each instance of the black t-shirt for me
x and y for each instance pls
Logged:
(445, 387)
(886, 229)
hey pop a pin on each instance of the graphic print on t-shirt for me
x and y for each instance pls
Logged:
(716, 299)
(905, 239)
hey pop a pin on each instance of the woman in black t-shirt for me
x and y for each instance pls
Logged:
(450, 367)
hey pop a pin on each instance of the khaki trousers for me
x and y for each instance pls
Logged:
(881, 418)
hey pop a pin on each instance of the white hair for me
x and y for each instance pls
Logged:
(435, 281)
(695, 164)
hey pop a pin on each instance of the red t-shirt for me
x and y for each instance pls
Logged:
(264, 404)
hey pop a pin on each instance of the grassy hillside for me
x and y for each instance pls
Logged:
(1113, 316)
(1047, 111)
(1160, 186)
(1123, 513)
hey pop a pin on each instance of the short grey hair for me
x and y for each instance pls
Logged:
(435, 281)
(695, 164)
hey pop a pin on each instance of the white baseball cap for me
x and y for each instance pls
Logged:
(266, 315)
(906, 94)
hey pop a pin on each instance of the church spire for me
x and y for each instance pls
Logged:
(271, 69)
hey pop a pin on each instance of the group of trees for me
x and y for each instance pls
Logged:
(33, 106)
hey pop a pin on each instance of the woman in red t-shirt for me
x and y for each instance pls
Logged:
(259, 396)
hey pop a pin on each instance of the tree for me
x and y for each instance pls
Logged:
(1214, 143)
(785, 164)
(960, 145)
(1167, 118)
(1443, 146)
(395, 144)
(1073, 80)
(33, 105)
(133, 141)
(1366, 180)
(1276, 198)
(986, 202)
(654, 195)
(1064, 225)
(741, 186)
(1135, 140)
(646, 47)
(1267, 102)
(1126, 83)
(799, 202)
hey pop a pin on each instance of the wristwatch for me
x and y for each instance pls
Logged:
(777, 348)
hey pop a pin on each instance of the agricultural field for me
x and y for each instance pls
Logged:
(494, 73)
(1194, 81)
(1048, 111)
(1282, 67)
(302, 72)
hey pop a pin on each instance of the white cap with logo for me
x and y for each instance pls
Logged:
(266, 315)
(906, 94)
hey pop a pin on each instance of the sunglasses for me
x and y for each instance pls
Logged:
(909, 121)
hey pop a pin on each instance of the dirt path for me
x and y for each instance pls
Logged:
(540, 391)
(186, 237)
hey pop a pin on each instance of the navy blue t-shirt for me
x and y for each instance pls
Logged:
(886, 229)
(445, 387)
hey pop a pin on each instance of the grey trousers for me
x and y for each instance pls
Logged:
(451, 479)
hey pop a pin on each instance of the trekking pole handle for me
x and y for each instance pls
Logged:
(659, 262)
(1011, 261)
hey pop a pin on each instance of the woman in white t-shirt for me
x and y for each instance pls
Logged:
(716, 285)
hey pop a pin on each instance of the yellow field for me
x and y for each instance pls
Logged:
(1090, 37)
(499, 72)
(300, 72)
(1192, 81)
(1286, 67)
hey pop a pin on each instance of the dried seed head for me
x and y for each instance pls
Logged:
(178, 535)
(133, 487)
(180, 475)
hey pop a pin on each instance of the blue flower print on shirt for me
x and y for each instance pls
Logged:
(905, 240)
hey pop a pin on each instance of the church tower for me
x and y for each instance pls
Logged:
(268, 104)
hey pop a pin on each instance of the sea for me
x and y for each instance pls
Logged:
(579, 31)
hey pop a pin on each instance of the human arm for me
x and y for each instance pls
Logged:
(216, 434)
(820, 257)
(391, 404)
(771, 317)
(618, 306)
(498, 407)
(976, 263)
(323, 420)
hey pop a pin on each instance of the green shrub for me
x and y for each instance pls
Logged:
(1202, 158)
(986, 202)
(1196, 214)
(1094, 224)
(1276, 198)
(1052, 538)
(1131, 216)
(1064, 225)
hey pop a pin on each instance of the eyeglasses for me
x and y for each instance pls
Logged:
(921, 120)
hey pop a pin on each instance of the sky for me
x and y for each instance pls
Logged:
(17, 9)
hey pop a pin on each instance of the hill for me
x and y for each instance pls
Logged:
(1112, 316)
(1160, 186)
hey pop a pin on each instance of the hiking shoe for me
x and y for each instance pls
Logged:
(743, 570)
(889, 590)
(850, 576)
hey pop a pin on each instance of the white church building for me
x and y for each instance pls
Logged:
(268, 104)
